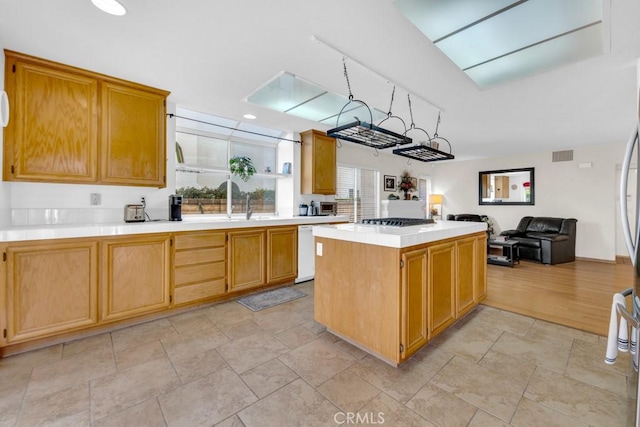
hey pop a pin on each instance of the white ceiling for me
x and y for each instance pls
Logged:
(212, 54)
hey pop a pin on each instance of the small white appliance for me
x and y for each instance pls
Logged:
(306, 254)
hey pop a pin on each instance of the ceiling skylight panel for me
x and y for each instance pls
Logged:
(450, 15)
(284, 92)
(564, 50)
(529, 23)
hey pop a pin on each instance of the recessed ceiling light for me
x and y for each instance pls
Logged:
(112, 7)
(249, 116)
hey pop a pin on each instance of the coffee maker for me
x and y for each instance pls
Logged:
(175, 207)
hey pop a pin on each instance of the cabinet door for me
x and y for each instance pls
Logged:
(282, 254)
(133, 136)
(51, 288)
(199, 266)
(135, 275)
(246, 256)
(481, 267)
(53, 132)
(413, 315)
(441, 301)
(466, 277)
(318, 158)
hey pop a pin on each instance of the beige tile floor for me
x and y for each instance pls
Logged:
(224, 365)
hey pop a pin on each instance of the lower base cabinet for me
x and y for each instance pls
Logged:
(404, 297)
(135, 275)
(442, 291)
(282, 254)
(199, 271)
(62, 286)
(413, 296)
(246, 255)
(51, 288)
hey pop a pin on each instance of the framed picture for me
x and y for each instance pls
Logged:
(414, 181)
(389, 183)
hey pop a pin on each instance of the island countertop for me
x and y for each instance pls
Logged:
(189, 223)
(398, 237)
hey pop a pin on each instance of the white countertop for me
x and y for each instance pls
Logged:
(398, 237)
(189, 223)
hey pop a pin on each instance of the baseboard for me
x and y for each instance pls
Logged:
(605, 261)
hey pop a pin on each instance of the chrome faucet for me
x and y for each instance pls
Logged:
(249, 208)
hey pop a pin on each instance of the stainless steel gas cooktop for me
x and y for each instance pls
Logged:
(397, 222)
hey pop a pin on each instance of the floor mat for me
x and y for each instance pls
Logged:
(270, 298)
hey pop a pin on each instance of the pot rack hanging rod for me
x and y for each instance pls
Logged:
(171, 115)
(382, 76)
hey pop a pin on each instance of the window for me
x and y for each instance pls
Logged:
(358, 193)
(202, 172)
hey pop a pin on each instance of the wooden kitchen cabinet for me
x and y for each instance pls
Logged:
(199, 266)
(133, 136)
(318, 163)
(71, 125)
(247, 259)
(393, 322)
(282, 254)
(466, 277)
(413, 297)
(481, 267)
(135, 277)
(442, 275)
(51, 287)
(53, 132)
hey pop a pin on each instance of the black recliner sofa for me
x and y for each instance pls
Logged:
(544, 239)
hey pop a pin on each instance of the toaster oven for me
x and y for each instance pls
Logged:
(328, 208)
(134, 213)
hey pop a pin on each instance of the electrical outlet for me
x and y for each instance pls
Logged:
(96, 199)
(143, 201)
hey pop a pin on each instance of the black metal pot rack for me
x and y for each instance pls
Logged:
(365, 133)
(421, 152)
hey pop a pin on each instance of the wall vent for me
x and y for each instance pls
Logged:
(562, 156)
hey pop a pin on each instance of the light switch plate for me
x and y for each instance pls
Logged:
(96, 199)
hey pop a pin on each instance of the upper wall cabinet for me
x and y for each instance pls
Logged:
(318, 163)
(74, 126)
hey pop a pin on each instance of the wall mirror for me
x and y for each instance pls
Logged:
(507, 187)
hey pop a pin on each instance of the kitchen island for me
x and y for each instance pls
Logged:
(391, 290)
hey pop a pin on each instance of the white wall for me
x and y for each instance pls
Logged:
(562, 189)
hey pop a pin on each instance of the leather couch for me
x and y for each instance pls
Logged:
(544, 239)
(466, 217)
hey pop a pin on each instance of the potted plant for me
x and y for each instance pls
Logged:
(406, 185)
(242, 166)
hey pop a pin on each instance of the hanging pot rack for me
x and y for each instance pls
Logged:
(366, 133)
(422, 152)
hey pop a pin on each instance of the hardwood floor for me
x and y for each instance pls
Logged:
(576, 294)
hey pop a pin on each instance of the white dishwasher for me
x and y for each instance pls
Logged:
(306, 254)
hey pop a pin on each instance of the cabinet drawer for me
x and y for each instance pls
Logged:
(190, 241)
(199, 256)
(199, 273)
(199, 291)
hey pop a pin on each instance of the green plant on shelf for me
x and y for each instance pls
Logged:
(242, 166)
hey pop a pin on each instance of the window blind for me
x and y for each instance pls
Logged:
(358, 193)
